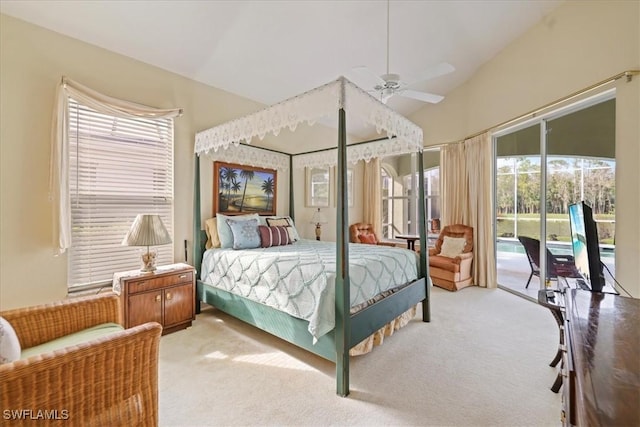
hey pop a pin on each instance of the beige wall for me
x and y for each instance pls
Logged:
(579, 44)
(303, 214)
(32, 62)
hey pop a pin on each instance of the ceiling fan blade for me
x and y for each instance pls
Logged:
(421, 96)
(365, 78)
(433, 72)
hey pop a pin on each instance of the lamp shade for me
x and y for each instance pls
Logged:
(147, 230)
(318, 218)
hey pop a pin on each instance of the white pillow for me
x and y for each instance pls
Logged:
(452, 246)
(224, 231)
(9, 342)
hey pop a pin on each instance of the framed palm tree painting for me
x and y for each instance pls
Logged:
(239, 189)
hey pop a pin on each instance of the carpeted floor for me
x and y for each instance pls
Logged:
(483, 360)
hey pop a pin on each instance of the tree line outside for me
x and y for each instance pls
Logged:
(569, 180)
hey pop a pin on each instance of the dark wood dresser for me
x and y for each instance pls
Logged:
(601, 361)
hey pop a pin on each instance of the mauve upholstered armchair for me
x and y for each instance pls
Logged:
(452, 271)
(361, 232)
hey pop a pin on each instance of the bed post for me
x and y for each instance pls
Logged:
(342, 291)
(424, 266)
(291, 212)
(197, 221)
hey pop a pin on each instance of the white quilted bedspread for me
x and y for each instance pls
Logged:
(299, 279)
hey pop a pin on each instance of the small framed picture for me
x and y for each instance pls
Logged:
(317, 187)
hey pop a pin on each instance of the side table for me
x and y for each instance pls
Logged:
(166, 296)
(411, 240)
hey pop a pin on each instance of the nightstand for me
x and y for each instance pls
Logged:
(166, 296)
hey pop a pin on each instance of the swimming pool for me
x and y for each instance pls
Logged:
(556, 248)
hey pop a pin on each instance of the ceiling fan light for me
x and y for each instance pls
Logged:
(391, 79)
(385, 94)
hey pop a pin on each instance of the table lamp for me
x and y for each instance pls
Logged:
(147, 230)
(318, 219)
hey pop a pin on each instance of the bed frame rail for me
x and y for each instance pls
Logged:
(368, 320)
(275, 322)
(294, 330)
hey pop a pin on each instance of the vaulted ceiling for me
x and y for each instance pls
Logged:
(268, 51)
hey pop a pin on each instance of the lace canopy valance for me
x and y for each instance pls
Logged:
(310, 106)
(251, 156)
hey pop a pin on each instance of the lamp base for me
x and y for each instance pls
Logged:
(318, 231)
(148, 262)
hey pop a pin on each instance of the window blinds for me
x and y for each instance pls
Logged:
(118, 168)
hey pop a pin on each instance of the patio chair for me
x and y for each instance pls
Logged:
(557, 265)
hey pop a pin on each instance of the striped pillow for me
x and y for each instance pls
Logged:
(273, 236)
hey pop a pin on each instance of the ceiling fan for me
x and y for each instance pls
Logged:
(389, 84)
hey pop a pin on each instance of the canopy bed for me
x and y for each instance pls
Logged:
(339, 322)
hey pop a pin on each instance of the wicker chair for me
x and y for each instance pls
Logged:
(107, 381)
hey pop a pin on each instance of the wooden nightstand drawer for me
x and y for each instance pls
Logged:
(151, 283)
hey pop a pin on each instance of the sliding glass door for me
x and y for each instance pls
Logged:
(517, 204)
(581, 167)
(541, 168)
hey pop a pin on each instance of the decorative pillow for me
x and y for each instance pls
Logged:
(9, 342)
(245, 233)
(273, 236)
(368, 238)
(284, 221)
(224, 231)
(452, 246)
(278, 222)
(211, 228)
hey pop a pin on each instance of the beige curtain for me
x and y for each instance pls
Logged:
(480, 209)
(372, 197)
(59, 166)
(467, 198)
(453, 185)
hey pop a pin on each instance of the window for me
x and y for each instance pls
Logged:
(432, 196)
(432, 199)
(118, 168)
(395, 205)
(400, 192)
